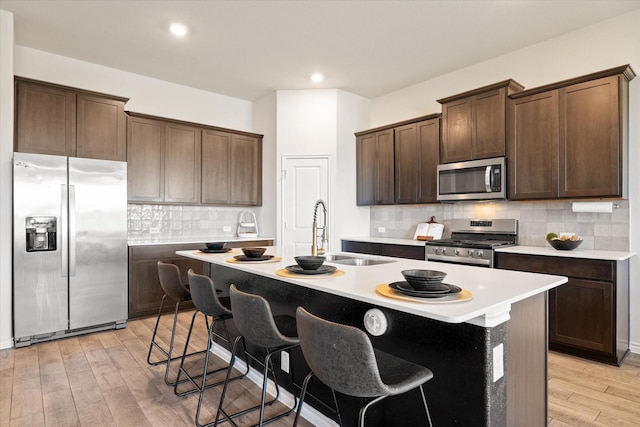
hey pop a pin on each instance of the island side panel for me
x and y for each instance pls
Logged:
(462, 391)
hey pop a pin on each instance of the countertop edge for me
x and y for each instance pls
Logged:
(386, 240)
(194, 240)
(576, 253)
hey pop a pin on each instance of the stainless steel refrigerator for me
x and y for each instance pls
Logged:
(69, 246)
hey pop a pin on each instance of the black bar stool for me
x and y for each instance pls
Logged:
(173, 287)
(205, 298)
(256, 324)
(343, 358)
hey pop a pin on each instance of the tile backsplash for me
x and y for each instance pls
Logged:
(601, 231)
(169, 221)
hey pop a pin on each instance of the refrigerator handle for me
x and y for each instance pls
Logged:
(72, 230)
(64, 228)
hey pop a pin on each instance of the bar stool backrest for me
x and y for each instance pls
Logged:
(203, 295)
(341, 356)
(170, 280)
(254, 319)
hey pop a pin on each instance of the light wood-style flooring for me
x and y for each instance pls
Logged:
(103, 379)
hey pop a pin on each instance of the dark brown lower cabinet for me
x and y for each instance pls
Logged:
(145, 292)
(588, 315)
(385, 249)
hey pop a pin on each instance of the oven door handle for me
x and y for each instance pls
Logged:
(452, 260)
(487, 179)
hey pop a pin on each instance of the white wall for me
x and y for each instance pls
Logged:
(322, 122)
(604, 45)
(265, 122)
(6, 171)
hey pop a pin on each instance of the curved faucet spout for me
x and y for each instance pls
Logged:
(315, 250)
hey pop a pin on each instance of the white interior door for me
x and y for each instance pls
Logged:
(305, 180)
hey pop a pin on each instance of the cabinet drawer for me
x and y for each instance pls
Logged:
(403, 251)
(573, 267)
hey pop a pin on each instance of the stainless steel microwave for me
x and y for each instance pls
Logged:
(473, 180)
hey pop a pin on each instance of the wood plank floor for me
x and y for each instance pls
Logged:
(103, 379)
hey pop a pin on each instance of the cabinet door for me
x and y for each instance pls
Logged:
(101, 128)
(182, 163)
(366, 170)
(215, 167)
(407, 164)
(590, 140)
(45, 120)
(532, 148)
(581, 314)
(455, 145)
(488, 124)
(145, 159)
(386, 166)
(245, 171)
(428, 154)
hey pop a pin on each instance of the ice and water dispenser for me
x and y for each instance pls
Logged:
(41, 233)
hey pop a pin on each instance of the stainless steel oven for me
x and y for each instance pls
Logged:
(473, 241)
(473, 180)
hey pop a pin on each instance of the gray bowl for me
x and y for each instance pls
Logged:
(215, 245)
(565, 245)
(423, 279)
(254, 252)
(310, 262)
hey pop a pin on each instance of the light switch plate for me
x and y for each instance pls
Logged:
(498, 362)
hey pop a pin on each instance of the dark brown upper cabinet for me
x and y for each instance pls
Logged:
(474, 123)
(231, 169)
(567, 139)
(63, 121)
(375, 168)
(416, 160)
(145, 159)
(163, 160)
(184, 163)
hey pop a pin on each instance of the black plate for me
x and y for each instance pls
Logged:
(215, 251)
(324, 269)
(436, 288)
(246, 258)
(424, 294)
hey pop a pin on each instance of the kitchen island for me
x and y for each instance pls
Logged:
(488, 353)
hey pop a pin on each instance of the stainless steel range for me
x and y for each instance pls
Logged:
(473, 240)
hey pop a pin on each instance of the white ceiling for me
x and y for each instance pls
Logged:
(247, 49)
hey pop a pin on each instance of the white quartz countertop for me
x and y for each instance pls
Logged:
(576, 253)
(385, 240)
(194, 240)
(493, 290)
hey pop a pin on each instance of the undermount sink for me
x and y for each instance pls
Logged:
(352, 260)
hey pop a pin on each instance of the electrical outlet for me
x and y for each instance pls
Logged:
(154, 230)
(382, 230)
(498, 362)
(226, 228)
(284, 361)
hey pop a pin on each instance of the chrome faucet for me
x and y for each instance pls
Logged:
(315, 250)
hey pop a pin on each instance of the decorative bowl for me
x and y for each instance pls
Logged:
(423, 279)
(565, 245)
(215, 245)
(254, 252)
(310, 262)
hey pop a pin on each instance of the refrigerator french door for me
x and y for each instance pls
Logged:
(70, 246)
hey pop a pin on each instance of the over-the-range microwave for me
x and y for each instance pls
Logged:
(472, 180)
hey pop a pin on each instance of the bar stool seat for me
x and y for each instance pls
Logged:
(343, 358)
(257, 325)
(171, 283)
(206, 300)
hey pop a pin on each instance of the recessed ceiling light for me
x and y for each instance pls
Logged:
(178, 29)
(317, 77)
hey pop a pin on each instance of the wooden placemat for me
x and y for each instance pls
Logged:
(384, 290)
(274, 259)
(286, 273)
